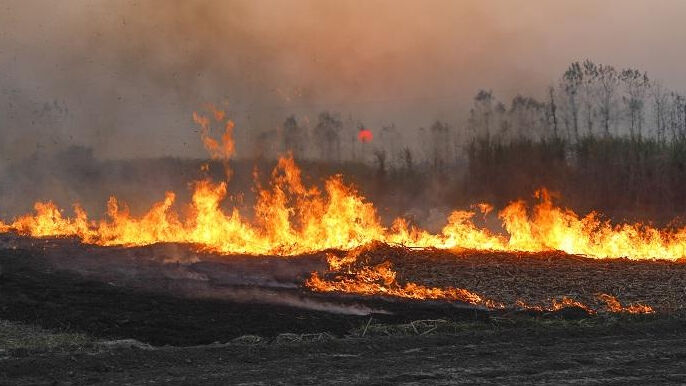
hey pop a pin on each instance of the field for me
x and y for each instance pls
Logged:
(79, 313)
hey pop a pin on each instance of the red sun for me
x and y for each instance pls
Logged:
(365, 136)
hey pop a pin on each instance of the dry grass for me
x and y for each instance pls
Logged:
(17, 336)
(537, 278)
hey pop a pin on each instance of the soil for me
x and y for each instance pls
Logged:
(156, 309)
(188, 304)
(630, 355)
(536, 278)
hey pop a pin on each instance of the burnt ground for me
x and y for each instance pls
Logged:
(535, 278)
(193, 306)
(67, 301)
(642, 354)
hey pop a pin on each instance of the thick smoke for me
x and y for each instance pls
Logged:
(124, 76)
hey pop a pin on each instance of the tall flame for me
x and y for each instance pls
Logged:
(292, 218)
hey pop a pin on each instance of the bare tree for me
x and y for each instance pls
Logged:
(636, 86)
(528, 117)
(294, 137)
(609, 80)
(552, 108)
(440, 139)
(571, 82)
(390, 140)
(327, 136)
(483, 112)
(679, 112)
(502, 122)
(380, 156)
(660, 99)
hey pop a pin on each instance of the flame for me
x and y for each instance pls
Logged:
(292, 218)
(218, 150)
(48, 220)
(353, 274)
(613, 305)
(381, 280)
(556, 305)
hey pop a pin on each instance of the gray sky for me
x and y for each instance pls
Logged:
(125, 76)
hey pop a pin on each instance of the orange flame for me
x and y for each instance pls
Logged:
(353, 275)
(380, 280)
(613, 305)
(217, 150)
(293, 218)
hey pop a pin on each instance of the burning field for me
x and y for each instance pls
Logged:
(331, 243)
(378, 193)
(311, 264)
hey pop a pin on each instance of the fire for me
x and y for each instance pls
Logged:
(48, 220)
(292, 218)
(217, 150)
(556, 305)
(381, 280)
(352, 273)
(613, 305)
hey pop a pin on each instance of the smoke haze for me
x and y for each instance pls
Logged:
(123, 77)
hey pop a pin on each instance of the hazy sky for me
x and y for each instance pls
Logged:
(125, 76)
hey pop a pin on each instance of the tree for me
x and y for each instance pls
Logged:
(609, 80)
(589, 79)
(528, 117)
(390, 141)
(571, 82)
(327, 136)
(380, 156)
(483, 111)
(553, 109)
(294, 137)
(440, 140)
(636, 85)
(677, 116)
(660, 99)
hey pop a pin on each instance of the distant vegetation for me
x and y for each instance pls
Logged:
(610, 139)
(606, 139)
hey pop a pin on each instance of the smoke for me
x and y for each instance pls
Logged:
(123, 77)
(182, 271)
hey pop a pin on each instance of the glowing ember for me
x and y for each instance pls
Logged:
(611, 303)
(293, 218)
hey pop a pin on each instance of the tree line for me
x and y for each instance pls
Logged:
(605, 137)
(589, 100)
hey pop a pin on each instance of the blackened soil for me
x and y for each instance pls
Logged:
(128, 298)
(619, 354)
(32, 291)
